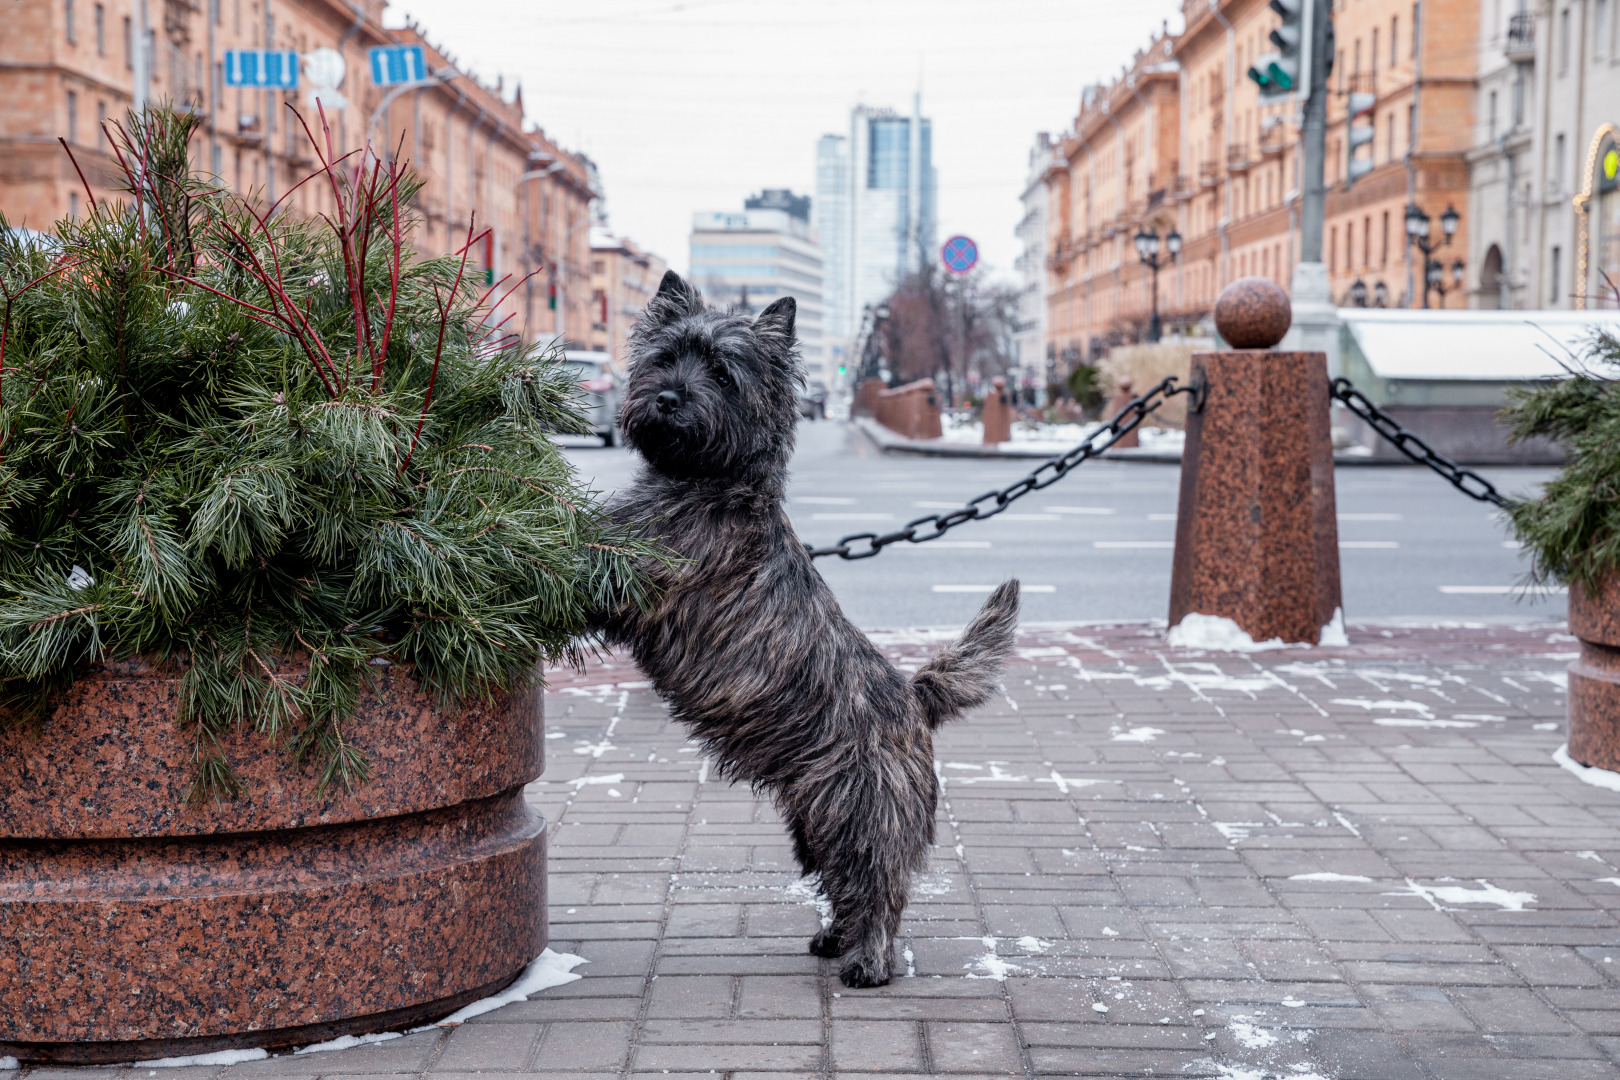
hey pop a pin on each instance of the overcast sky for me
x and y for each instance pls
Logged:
(693, 106)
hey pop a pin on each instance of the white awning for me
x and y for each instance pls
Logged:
(1489, 346)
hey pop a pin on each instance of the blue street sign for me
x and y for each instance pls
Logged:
(959, 254)
(273, 69)
(394, 64)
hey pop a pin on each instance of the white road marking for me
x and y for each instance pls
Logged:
(1156, 544)
(1501, 590)
(822, 500)
(992, 588)
(852, 517)
(1368, 545)
(937, 505)
(1098, 511)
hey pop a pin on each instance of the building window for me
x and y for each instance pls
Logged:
(1491, 112)
(1557, 272)
(101, 29)
(1558, 165)
(1333, 249)
(129, 44)
(1394, 40)
(1417, 22)
(101, 119)
(73, 205)
(1383, 243)
(1366, 240)
(1375, 55)
(1350, 245)
(1564, 24)
(67, 22)
(72, 116)
(1600, 42)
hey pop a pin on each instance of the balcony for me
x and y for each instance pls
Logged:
(1209, 173)
(1520, 46)
(1237, 157)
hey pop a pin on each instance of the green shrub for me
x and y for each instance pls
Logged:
(273, 452)
(1573, 530)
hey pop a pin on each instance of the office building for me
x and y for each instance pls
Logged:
(748, 259)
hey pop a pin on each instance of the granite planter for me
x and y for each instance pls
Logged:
(1594, 678)
(134, 925)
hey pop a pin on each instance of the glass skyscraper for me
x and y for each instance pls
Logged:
(874, 210)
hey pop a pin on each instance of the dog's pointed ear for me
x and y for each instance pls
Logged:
(777, 320)
(675, 299)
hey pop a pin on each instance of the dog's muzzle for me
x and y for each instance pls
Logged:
(668, 401)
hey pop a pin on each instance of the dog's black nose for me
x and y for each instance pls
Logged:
(668, 401)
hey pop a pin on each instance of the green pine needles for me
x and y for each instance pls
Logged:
(1573, 530)
(275, 453)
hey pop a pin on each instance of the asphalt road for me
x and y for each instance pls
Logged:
(1097, 545)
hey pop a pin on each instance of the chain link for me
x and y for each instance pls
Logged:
(1467, 481)
(933, 526)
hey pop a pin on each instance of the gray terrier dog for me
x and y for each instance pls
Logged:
(748, 645)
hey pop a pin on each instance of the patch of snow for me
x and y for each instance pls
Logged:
(1250, 1037)
(218, 1057)
(1412, 721)
(545, 971)
(1216, 633)
(612, 778)
(997, 775)
(1332, 635)
(1033, 944)
(9, 1064)
(1139, 734)
(344, 1042)
(1234, 831)
(79, 579)
(911, 963)
(1099, 1007)
(1384, 706)
(1615, 881)
(1326, 876)
(1587, 774)
(1109, 931)
(993, 966)
(1439, 895)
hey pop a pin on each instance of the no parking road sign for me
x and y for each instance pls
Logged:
(959, 254)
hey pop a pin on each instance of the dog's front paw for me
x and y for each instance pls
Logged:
(826, 944)
(862, 969)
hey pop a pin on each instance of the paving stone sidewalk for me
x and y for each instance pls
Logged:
(1350, 864)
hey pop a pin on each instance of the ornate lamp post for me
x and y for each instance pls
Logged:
(1147, 250)
(1418, 228)
(1358, 293)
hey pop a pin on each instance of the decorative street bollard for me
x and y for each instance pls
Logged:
(1256, 533)
(998, 413)
(1594, 678)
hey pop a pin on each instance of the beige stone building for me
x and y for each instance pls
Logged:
(1183, 139)
(66, 66)
(623, 279)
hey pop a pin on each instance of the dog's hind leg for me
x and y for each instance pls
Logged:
(828, 941)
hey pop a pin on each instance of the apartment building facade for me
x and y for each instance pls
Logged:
(68, 66)
(1546, 155)
(623, 279)
(1228, 176)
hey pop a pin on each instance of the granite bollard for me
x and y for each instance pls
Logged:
(1256, 527)
(998, 413)
(138, 924)
(1594, 677)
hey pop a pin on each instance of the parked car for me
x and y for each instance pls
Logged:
(813, 401)
(601, 385)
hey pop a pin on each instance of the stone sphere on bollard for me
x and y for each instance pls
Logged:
(1253, 313)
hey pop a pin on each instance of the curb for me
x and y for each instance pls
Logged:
(890, 443)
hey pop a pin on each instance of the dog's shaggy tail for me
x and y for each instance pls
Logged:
(963, 674)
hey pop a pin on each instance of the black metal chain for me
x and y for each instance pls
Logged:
(1467, 481)
(933, 526)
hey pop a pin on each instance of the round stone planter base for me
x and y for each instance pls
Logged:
(1594, 707)
(120, 1053)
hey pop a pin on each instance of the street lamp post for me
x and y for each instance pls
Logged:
(1147, 249)
(1418, 228)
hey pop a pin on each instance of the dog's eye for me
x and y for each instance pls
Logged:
(722, 377)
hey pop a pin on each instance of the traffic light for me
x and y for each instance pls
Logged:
(1279, 74)
(1360, 134)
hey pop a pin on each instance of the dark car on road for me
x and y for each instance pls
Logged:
(813, 401)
